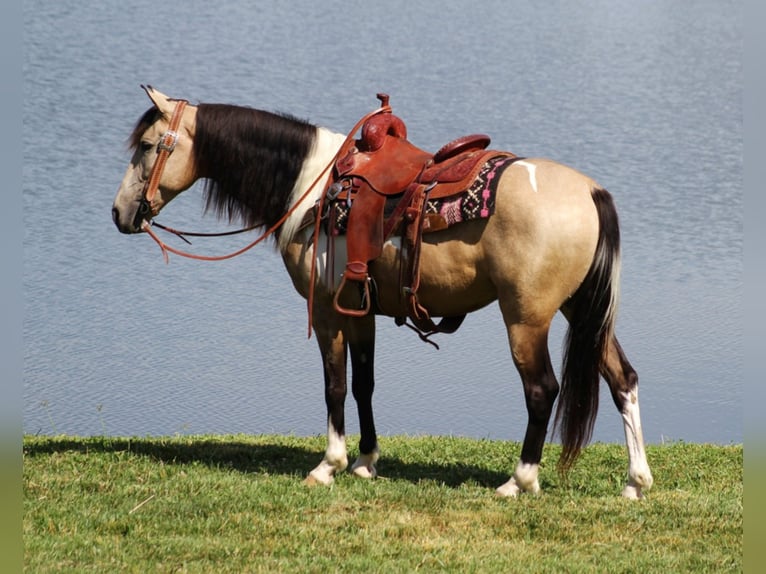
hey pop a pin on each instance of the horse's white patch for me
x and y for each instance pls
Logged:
(326, 145)
(532, 169)
(524, 479)
(335, 457)
(639, 474)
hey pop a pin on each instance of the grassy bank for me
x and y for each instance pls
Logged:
(237, 504)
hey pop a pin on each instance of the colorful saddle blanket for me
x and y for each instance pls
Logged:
(476, 202)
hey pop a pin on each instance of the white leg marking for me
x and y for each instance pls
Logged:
(531, 168)
(639, 474)
(364, 466)
(523, 480)
(335, 459)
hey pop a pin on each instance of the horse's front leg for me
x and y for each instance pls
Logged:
(623, 384)
(361, 340)
(332, 345)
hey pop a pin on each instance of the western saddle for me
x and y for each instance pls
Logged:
(380, 166)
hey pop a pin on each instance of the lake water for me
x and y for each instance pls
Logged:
(643, 96)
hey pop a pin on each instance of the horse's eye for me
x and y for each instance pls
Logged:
(146, 146)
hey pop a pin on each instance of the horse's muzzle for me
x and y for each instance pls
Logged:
(143, 213)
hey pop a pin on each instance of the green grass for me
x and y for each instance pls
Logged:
(237, 504)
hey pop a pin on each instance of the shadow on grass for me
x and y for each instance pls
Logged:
(272, 459)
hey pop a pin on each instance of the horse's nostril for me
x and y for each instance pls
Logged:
(144, 208)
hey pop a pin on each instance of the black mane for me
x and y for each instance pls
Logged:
(250, 160)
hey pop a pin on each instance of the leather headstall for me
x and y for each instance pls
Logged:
(165, 147)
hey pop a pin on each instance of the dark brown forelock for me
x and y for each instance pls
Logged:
(144, 122)
(250, 160)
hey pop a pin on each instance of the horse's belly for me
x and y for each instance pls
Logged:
(453, 280)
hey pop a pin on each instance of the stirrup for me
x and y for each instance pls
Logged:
(365, 300)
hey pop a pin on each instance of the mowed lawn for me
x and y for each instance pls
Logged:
(238, 504)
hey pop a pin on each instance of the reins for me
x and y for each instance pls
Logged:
(165, 148)
(147, 227)
(184, 234)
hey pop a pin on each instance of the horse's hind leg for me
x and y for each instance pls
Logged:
(529, 345)
(623, 384)
(361, 340)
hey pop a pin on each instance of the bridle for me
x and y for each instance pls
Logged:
(165, 147)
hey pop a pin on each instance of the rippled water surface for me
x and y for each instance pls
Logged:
(644, 97)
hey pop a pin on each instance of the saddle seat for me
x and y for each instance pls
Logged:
(383, 164)
(389, 163)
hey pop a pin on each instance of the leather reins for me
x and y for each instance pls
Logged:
(166, 146)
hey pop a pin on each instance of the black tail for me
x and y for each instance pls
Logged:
(592, 312)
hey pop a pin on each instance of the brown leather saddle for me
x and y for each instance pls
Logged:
(382, 164)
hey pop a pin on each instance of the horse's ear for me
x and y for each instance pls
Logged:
(160, 100)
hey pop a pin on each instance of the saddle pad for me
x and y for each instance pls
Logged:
(476, 202)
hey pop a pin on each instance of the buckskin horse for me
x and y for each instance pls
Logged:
(548, 242)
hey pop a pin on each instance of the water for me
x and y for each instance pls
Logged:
(644, 97)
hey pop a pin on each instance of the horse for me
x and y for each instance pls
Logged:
(552, 244)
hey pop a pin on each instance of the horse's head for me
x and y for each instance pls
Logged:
(162, 165)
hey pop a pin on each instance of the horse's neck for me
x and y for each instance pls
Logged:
(326, 146)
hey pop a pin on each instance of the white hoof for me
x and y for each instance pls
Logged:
(512, 488)
(314, 479)
(364, 471)
(639, 480)
(632, 492)
(324, 473)
(638, 483)
(364, 466)
(523, 480)
(317, 478)
(509, 489)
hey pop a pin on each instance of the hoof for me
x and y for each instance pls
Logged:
(504, 492)
(363, 471)
(313, 481)
(318, 478)
(523, 480)
(639, 481)
(632, 492)
(364, 466)
(511, 489)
